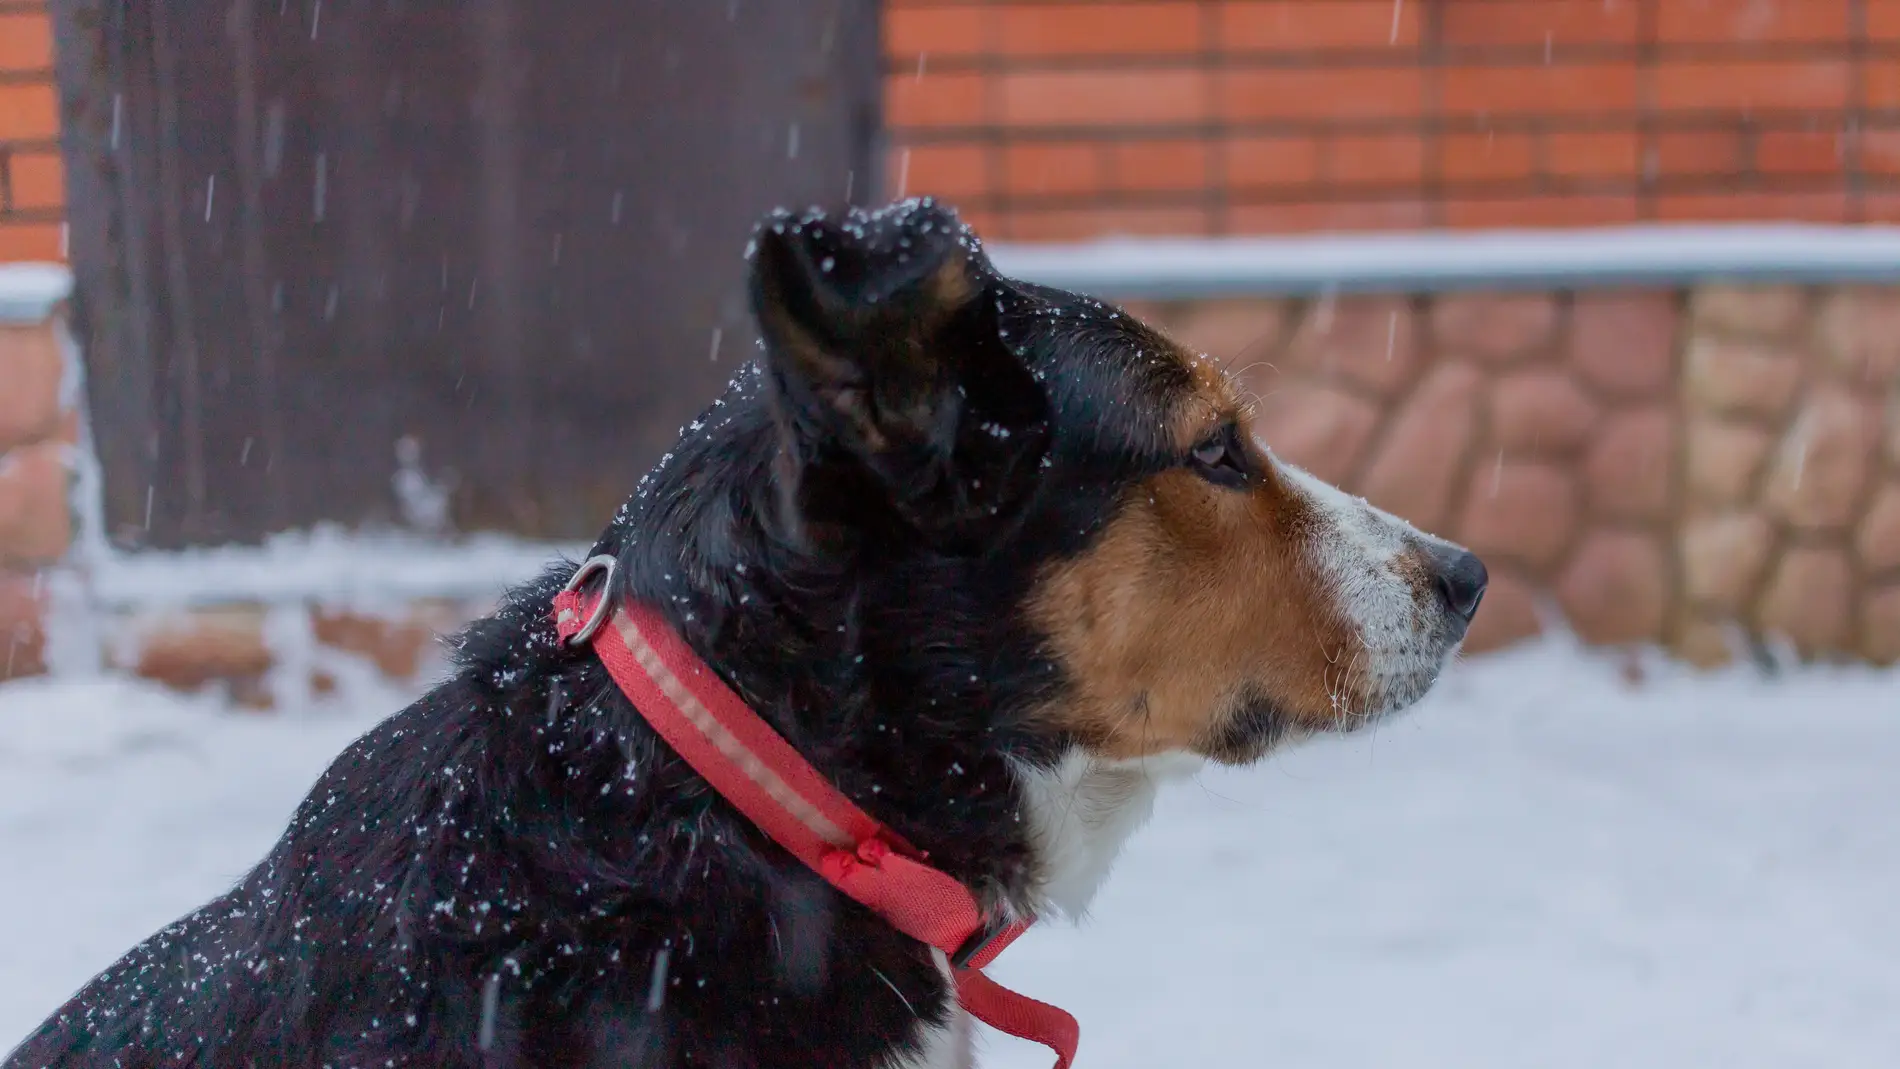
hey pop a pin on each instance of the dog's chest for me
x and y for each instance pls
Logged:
(1082, 812)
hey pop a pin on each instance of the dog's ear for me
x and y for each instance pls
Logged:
(886, 353)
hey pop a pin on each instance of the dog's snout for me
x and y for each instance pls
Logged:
(1461, 579)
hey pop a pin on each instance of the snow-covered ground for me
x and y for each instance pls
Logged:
(1545, 866)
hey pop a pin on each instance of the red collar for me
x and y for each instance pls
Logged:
(760, 773)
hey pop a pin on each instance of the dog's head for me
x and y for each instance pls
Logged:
(1104, 486)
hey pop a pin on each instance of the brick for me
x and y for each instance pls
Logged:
(942, 170)
(957, 99)
(35, 519)
(26, 42)
(1376, 159)
(1055, 167)
(1158, 165)
(36, 180)
(1883, 20)
(1624, 344)
(1592, 153)
(1327, 217)
(1266, 162)
(1098, 27)
(1880, 152)
(1882, 84)
(1322, 93)
(32, 241)
(1733, 22)
(1695, 152)
(1538, 22)
(1304, 26)
(1828, 207)
(22, 626)
(1558, 88)
(1859, 332)
(1724, 461)
(1103, 98)
(1805, 152)
(1487, 157)
(1747, 85)
(1077, 224)
(209, 645)
(30, 366)
(28, 112)
(934, 31)
(1758, 310)
(1540, 211)
(399, 647)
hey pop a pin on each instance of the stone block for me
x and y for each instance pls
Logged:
(1819, 473)
(1723, 558)
(1878, 540)
(1616, 588)
(1739, 378)
(1319, 428)
(191, 650)
(1880, 624)
(1540, 411)
(1630, 466)
(1416, 467)
(1508, 614)
(1756, 311)
(22, 626)
(1494, 328)
(1236, 331)
(1369, 342)
(1809, 600)
(1859, 332)
(1624, 344)
(1724, 461)
(1520, 510)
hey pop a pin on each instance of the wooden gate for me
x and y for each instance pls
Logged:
(425, 262)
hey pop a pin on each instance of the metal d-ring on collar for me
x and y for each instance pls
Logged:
(592, 566)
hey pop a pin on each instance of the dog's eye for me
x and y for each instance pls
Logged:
(1219, 460)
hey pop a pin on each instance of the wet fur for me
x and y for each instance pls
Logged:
(514, 871)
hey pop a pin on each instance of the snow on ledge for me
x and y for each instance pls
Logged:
(325, 566)
(28, 291)
(1656, 255)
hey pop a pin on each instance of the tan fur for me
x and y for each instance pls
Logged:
(1192, 594)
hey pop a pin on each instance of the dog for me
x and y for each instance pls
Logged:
(997, 559)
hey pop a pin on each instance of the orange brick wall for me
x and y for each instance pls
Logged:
(1061, 119)
(32, 180)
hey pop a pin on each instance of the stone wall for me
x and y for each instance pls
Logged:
(36, 431)
(1704, 469)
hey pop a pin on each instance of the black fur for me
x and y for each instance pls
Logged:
(515, 871)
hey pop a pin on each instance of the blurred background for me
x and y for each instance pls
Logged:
(323, 320)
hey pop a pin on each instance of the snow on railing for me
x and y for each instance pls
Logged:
(1423, 261)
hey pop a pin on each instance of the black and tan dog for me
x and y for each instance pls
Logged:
(995, 558)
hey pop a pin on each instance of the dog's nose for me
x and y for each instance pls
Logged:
(1461, 580)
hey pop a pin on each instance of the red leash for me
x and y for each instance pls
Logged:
(760, 773)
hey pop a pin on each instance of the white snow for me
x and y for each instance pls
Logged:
(1409, 261)
(28, 291)
(1543, 866)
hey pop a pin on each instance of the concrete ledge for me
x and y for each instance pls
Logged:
(30, 291)
(1172, 268)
